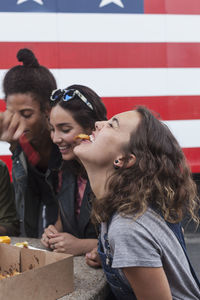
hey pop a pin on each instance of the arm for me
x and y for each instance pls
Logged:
(9, 224)
(64, 242)
(67, 243)
(148, 283)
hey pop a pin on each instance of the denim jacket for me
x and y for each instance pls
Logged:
(28, 196)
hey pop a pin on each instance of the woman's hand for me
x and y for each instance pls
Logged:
(11, 126)
(51, 229)
(92, 258)
(64, 242)
(67, 243)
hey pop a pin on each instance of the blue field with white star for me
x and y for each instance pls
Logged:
(73, 6)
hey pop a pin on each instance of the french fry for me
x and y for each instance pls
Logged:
(22, 244)
(82, 136)
(5, 239)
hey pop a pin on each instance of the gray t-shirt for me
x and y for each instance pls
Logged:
(149, 242)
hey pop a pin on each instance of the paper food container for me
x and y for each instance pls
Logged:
(44, 274)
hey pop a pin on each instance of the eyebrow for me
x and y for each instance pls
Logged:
(115, 120)
(60, 125)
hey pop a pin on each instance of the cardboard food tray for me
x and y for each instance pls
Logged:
(45, 275)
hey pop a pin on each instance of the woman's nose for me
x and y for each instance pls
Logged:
(56, 138)
(100, 124)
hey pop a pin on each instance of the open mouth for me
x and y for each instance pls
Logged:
(64, 149)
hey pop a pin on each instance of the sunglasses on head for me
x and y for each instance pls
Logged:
(66, 95)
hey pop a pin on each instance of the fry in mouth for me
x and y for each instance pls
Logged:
(82, 136)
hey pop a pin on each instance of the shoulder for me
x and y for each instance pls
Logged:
(147, 221)
(134, 242)
(149, 228)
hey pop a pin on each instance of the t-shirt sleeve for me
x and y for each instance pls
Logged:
(132, 245)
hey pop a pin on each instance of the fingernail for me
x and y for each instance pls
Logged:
(88, 255)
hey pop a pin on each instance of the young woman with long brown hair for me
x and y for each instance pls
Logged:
(143, 188)
(74, 110)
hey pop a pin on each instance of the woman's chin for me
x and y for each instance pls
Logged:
(78, 149)
(68, 156)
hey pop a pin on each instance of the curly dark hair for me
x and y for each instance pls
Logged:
(160, 177)
(29, 78)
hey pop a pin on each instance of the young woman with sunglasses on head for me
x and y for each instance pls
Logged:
(143, 188)
(74, 110)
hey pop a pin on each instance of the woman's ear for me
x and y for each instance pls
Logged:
(131, 160)
(119, 161)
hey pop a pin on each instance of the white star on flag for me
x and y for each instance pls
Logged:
(37, 1)
(106, 2)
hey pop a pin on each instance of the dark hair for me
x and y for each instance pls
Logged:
(81, 113)
(29, 78)
(160, 177)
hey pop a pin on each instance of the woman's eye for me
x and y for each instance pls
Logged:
(66, 130)
(26, 116)
(110, 124)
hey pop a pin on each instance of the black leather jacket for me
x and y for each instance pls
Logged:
(80, 227)
(33, 190)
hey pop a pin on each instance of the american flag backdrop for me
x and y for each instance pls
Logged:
(129, 51)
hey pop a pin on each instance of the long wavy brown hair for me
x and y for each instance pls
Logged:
(160, 177)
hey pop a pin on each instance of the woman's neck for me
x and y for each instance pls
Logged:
(98, 179)
(42, 142)
(44, 148)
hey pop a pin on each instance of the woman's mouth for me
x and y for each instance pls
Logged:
(65, 149)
